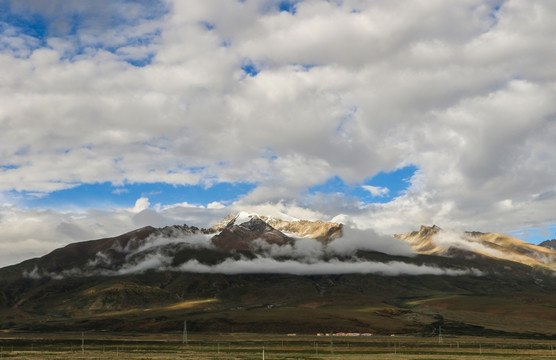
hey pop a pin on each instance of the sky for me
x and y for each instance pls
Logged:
(382, 114)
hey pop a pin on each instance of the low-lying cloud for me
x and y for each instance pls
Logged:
(352, 240)
(265, 265)
(303, 257)
(261, 265)
(453, 239)
(368, 240)
(446, 239)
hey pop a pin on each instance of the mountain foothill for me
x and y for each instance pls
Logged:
(255, 273)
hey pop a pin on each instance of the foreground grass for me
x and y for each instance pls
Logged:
(251, 346)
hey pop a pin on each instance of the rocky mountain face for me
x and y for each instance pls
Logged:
(436, 241)
(150, 248)
(549, 244)
(241, 237)
(257, 273)
(319, 230)
(238, 231)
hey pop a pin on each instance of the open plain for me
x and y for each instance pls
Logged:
(265, 346)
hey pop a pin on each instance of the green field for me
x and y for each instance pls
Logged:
(250, 346)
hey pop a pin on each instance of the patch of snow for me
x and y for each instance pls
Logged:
(243, 217)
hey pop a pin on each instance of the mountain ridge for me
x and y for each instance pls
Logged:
(550, 244)
(252, 233)
(434, 240)
(248, 276)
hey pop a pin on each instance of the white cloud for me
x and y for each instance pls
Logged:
(354, 239)
(31, 233)
(266, 265)
(140, 205)
(377, 191)
(462, 91)
(303, 257)
(119, 191)
(263, 265)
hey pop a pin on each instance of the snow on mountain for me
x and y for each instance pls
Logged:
(429, 240)
(319, 230)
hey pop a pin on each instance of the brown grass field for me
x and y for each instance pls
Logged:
(250, 346)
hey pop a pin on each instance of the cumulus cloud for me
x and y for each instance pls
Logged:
(140, 205)
(462, 91)
(30, 233)
(12, 252)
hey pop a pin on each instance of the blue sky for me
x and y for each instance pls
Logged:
(103, 195)
(116, 113)
(535, 235)
(393, 183)
(107, 195)
(85, 24)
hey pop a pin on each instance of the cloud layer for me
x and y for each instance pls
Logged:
(303, 257)
(201, 92)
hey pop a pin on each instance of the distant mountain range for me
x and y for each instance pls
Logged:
(257, 273)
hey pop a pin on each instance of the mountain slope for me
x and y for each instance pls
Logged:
(319, 230)
(241, 237)
(435, 241)
(249, 276)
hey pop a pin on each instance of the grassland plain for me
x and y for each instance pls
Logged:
(264, 346)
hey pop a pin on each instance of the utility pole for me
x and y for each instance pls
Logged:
(184, 341)
(331, 343)
(440, 335)
(82, 342)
